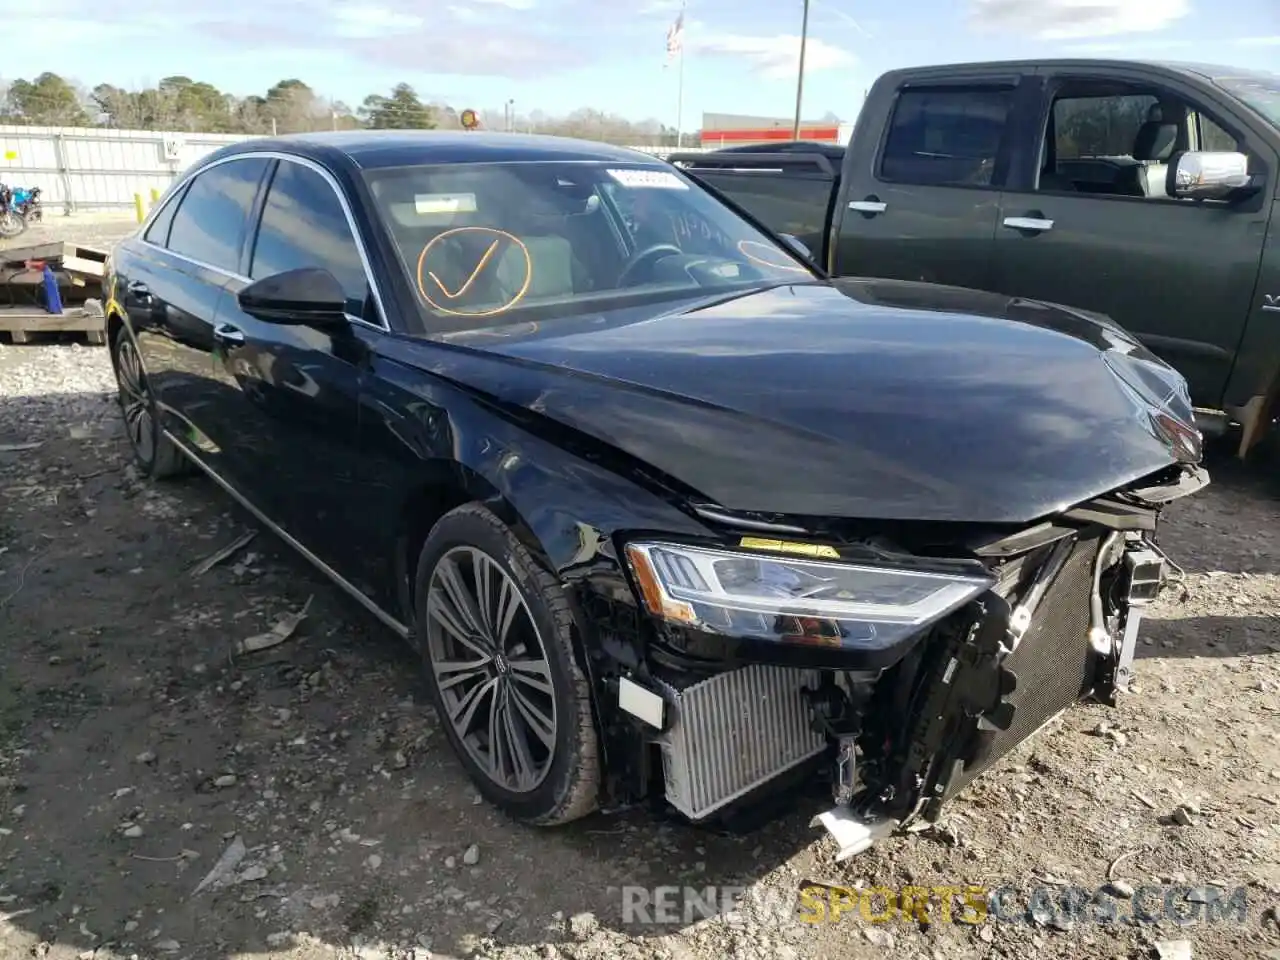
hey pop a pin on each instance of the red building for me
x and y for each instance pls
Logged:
(733, 130)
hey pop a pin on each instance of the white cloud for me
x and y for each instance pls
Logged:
(509, 4)
(1076, 19)
(1258, 41)
(371, 20)
(664, 7)
(1131, 47)
(776, 58)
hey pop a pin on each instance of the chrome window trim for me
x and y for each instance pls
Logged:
(365, 262)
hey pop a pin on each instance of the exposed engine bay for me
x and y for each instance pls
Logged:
(902, 676)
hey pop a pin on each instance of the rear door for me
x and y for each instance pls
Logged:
(920, 195)
(293, 391)
(184, 261)
(1090, 225)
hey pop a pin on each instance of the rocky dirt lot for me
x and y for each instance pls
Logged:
(139, 751)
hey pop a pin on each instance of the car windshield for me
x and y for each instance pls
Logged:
(503, 242)
(1260, 91)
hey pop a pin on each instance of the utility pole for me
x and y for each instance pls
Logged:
(804, 39)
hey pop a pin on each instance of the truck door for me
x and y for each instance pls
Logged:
(1088, 222)
(920, 191)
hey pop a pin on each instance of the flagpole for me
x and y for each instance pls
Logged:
(680, 87)
(680, 103)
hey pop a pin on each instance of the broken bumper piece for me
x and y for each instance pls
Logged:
(852, 834)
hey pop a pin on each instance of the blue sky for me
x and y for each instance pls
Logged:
(557, 55)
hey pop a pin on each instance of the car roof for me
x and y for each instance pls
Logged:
(370, 149)
(1205, 70)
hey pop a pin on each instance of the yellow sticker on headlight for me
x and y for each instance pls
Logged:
(788, 546)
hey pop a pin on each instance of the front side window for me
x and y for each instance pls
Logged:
(210, 221)
(1109, 139)
(946, 136)
(303, 225)
(1099, 126)
(555, 239)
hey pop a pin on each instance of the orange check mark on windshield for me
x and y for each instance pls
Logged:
(488, 254)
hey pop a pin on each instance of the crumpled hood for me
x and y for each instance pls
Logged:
(862, 399)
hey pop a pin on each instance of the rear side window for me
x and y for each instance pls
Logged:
(946, 136)
(210, 222)
(303, 225)
(158, 232)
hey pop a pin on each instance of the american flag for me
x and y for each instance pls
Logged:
(675, 38)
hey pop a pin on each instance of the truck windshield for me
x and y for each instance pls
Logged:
(503, 242)
(1261, 92)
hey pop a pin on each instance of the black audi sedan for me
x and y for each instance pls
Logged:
(667, 514)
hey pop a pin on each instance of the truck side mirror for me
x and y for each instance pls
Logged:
(1202, 175)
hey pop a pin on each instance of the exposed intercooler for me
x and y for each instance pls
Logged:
(734, 732)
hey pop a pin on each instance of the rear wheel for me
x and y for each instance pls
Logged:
(154, 452)
(496, 633)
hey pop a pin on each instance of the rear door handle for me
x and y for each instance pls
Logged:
(1036, 224)
(868, 206)
(226, 333)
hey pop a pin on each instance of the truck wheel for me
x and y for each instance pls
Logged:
(497, 640)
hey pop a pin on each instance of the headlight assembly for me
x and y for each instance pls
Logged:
(830, 603)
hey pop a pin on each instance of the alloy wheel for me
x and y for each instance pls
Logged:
(491, 669)
(135, 399)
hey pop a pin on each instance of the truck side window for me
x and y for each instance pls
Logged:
(1110, 138)
(945, 136)
(1213, 137)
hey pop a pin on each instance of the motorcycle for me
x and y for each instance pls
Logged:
(19, 207)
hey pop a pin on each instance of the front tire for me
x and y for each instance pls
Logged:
(154, 452)
(496, 637)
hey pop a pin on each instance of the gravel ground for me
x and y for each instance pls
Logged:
(137, 748)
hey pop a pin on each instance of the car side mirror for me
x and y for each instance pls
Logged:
(1204, 175)
(307, 297)
(798, 245)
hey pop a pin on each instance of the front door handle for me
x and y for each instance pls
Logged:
(1034, 224)
(226, 333)
(139, 291)
(870, 205)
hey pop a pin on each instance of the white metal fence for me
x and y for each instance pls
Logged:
(92, 168)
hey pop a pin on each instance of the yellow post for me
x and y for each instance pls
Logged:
(155, 196)
(138, 208)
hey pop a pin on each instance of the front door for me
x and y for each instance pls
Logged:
(1092, 226)
(921, 202)
(293, 391)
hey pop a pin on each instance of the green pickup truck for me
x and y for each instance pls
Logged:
(1149, 192)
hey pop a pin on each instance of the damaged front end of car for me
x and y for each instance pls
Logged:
(903, 670)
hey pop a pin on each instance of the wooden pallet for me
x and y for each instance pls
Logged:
(21, 322)
(73, 258)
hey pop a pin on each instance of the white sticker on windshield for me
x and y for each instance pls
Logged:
(445, 203)
(651, 179)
